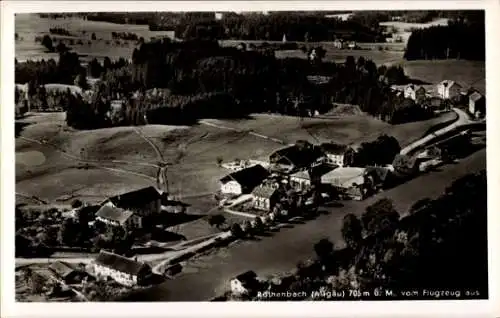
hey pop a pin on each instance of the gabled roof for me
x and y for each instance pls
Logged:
(135, 198)
(114, 214)
(297, 156)
(449, 83)
(301, 175)
(264, 191)
(62, 269)
(249, 177)
(475, 96)
(119, 263)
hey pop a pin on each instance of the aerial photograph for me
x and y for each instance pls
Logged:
(250, 156)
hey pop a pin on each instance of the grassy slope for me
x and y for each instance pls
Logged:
(28, 26)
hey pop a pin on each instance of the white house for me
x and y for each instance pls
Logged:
(245, 283)
(121, 269)
(448, 89)
(416, 93)
(339, 155)
(300, 180)
(338, 44)
(477, 105)
(244, 180)
(265, 197)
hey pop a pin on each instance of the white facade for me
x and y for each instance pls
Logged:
(237, 287)
(335, 159)
(300, 183)
(448, 89)
(231, 187)
(119, 277)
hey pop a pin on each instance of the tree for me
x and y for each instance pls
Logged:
(95, 68)
(323, 249)
(47, 42)
(351, 230)
(81, 79)
(216, 220)
(247, 226)
(379, 216)
(236, 230)
(219, 161)
(67, 232)
(93, 37)
(107, 65)
(258, 224)
(76, 204)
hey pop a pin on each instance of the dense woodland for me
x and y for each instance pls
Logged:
(253, 81)
(461, 39)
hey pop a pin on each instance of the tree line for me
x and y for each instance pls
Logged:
(461, 39)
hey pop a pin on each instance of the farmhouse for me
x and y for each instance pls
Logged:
(477, 104)
(244, 180)
(121, 269)
(351, 182)
(265, 197)
(294, 158)
(417, 93)
(448, 89)
(114, 216)
(339, 155)
(245, 283)
(143, 202)
(300, 180)
(67, 273)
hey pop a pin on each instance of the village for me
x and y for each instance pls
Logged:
(294, 181)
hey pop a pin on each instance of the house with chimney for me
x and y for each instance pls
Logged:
(448, 89)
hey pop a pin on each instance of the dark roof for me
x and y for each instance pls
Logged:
(298, 156)
(119, 263)
(247, 277)
(334, 148)
(115, 214)
(136, 198)
(248, 177)
(264, 191)
(62, 269)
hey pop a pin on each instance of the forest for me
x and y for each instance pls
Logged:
(460, 39)
(254, 81)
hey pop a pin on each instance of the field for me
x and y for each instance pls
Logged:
(467, 73)
(28, 26)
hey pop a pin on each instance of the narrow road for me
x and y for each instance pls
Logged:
(279, 141)
(287, 247)
(462, 119)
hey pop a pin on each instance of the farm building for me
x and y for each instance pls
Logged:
(245, 283)
(351, 182)
(339, 155)
(123, 270)
(448, 89)
(244, 180)
(296, 157)
(143, 202)
(67, 273)
(417, 93)
(300, 180)
(477, 104)
(114, 216)
(265, 197)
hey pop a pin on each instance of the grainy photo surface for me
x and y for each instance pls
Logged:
(257, 156)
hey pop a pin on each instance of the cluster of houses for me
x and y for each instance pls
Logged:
(301, 167)
(437, 96)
